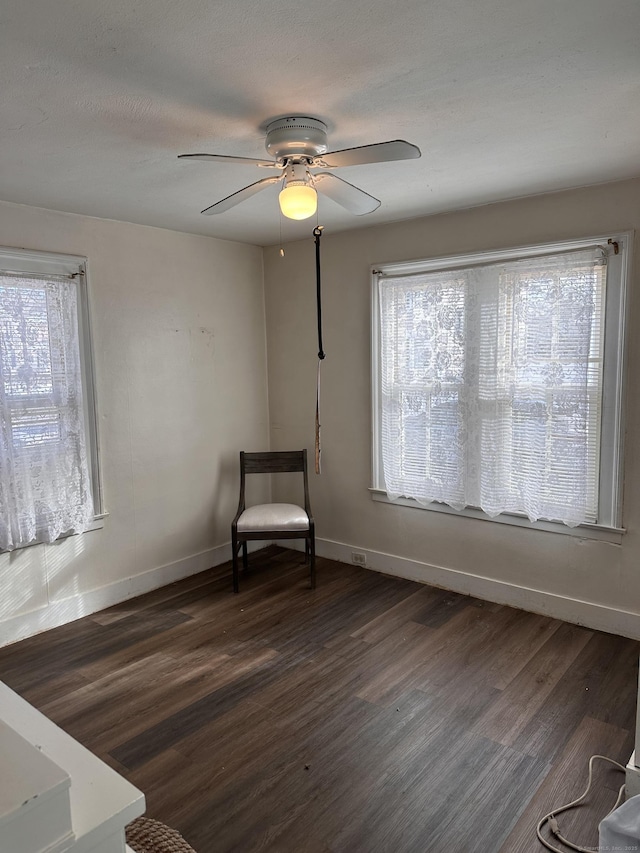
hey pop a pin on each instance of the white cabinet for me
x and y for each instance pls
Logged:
(633, 767)
(55, 795)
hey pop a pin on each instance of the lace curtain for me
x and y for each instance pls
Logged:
(491, 386)
(45, 486)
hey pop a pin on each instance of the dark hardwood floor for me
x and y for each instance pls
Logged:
(374, 715)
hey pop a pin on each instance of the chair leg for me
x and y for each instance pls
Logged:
(306, 550)
(234, 558)
(245, 557)
(312, 546)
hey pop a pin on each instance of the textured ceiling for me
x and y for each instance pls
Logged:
(505, 98)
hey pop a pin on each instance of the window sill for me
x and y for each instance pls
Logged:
(96, 524)
(582, 531)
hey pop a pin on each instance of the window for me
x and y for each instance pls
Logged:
(497, 381)
(48, 464)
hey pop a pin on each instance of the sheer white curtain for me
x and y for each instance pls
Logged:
(45, 488)
(491, 385)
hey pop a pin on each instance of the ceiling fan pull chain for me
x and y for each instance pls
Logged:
(317, 233)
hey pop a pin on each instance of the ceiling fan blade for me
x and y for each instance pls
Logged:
(353, 199)
(224, 158)
(379, 152)
(240, 195)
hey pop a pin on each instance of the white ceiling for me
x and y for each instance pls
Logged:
(505, 98)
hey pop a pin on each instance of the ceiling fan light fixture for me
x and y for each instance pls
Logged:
(298, 201)
(298, 198)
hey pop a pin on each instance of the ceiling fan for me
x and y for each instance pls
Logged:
(298, 145)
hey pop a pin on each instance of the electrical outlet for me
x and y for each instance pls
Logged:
(358, 558)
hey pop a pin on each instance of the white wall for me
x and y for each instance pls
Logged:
(597, 583)
(180, 361)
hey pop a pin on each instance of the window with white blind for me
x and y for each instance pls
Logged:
(498, 381)
(48, 463)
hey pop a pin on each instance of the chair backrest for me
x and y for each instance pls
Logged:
(274, 462)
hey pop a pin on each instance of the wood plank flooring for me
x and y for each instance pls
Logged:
(374, 715)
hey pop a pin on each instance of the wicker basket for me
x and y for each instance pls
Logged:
(146, 835)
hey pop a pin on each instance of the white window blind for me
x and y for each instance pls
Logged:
(491, 385)
(45, 482)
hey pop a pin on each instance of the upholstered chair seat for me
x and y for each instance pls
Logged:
(273, 516)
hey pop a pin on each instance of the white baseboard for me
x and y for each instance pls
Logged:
(69, 609)
(598, 616)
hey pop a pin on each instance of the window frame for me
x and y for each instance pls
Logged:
(613, 384)
(15, 261)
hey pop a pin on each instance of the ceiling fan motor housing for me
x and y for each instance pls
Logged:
(296, 136)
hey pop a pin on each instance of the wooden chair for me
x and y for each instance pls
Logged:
(274, 520)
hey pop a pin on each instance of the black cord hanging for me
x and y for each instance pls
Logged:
(317, 233)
